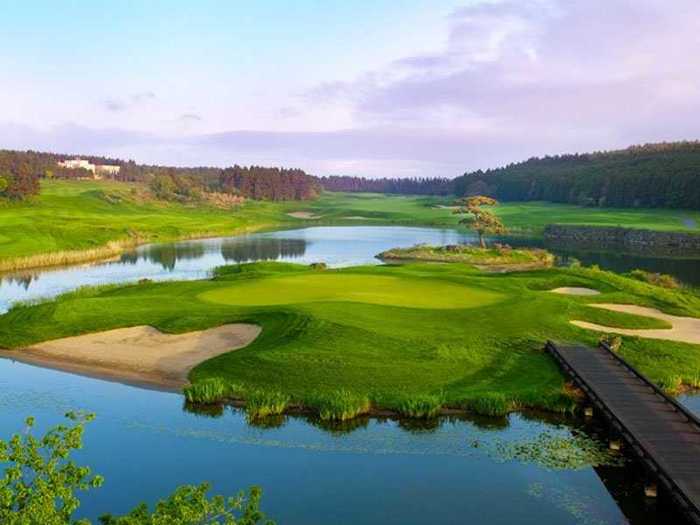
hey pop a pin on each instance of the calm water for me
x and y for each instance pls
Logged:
(145, 443)
(336, 246)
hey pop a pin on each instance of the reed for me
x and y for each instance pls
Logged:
(340, 405)
(421, 406)
(211, 390)
(263, 403)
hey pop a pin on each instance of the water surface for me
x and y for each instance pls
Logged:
(336, 246)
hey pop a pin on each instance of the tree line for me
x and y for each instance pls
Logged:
(20, 172)
(405, 186)
(663, 175)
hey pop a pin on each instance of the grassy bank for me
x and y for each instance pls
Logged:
(495, 257)
(73, 222)
(411, 338)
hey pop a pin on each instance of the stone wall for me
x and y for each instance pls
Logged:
(629, 239)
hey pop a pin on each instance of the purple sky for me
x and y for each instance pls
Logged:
(371, 88)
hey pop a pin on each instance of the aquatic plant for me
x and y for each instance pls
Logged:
(263, 403)
(557, 452)
(490, 404)
(210, 390)
(340, 405)
(421, 406)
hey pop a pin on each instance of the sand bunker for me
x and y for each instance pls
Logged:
(575, 290)
(303, 215)
(357, 218)
(139, 355)
(683, 329)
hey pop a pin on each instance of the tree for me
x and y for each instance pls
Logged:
(480, 220)
(41, 480)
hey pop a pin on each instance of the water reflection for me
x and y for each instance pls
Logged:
(262, 249)
(336, 246)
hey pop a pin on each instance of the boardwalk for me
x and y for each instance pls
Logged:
(664, 435)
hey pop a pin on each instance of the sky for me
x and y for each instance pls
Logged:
(397, 88)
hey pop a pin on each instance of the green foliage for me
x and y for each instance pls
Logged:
(340, 405)
(483, 222)
(658, 279)
(41, 480)
(490, 404)
(497, 255)
(652, 176)
(421, 406)
(189, 505)
(263, 403)
(211, 390)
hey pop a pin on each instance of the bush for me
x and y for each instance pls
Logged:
(657, 279)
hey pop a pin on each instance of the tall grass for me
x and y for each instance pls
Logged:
(211, 390)
(263, 403)
(340, 405)
(421, 406)
(492, 404)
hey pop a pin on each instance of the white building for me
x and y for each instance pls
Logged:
(77, 163)
(96, 169)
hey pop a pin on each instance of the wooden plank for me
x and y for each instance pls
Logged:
(664, 432)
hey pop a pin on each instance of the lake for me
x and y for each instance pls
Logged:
(334, 245)
(370, 471)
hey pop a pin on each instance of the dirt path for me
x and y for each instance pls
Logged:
(139, 355)
(684, 329)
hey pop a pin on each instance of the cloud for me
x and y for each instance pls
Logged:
(129, 102)
(562, 75)
(190, 117)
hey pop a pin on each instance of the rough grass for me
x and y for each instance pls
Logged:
(496, 255)
(337, 353)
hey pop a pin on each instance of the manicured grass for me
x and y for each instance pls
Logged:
(76, 221)
(341, 353)
(338, 287)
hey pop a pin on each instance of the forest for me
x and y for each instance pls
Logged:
(663, 175)
(405, 186)
(20, 172)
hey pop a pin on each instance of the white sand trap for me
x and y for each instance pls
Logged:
(575, 290)
(683, 329)
(140, 354)
(357, 218)
(303, 215)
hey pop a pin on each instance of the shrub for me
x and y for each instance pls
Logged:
(613, 341)
(657, 279)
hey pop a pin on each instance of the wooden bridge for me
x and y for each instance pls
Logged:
(664, 434)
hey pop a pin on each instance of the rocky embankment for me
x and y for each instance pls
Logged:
(629, 239)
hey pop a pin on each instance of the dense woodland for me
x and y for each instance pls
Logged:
(20, 172)
(407, 186)
(665, 175)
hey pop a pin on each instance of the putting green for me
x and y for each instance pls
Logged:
(372, 289)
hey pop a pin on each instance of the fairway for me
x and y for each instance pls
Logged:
(336, 287)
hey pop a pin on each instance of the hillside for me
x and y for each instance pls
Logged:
(665, 175)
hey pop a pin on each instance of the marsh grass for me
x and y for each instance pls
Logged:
(339, 405)
(421, 406)
(263, 403)
(210, 390)
(491, 404)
